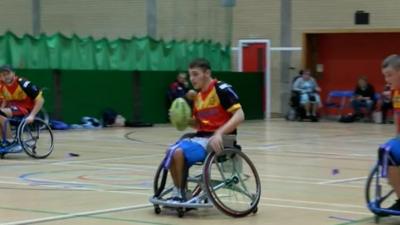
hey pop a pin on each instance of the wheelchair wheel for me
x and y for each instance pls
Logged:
(232, 183)
(378, 192)
(160, 180)
(36, 138)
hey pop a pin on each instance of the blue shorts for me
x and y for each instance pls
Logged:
(192, 151)
(393, 147)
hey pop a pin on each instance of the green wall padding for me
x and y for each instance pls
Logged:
(85, 53)
(88, 93)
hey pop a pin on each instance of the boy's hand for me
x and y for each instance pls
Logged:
(30, 119)
(216, 143)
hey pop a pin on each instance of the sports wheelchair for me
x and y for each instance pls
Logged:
(35, 139)
(229, 181)
(379, 194)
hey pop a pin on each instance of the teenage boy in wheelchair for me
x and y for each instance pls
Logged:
(391, 71)
(216, 112)
(20, 98)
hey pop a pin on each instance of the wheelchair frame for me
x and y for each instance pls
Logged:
(378, 172)
(20, 125)
(202, 196)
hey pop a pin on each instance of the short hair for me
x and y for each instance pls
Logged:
(6, 68)
(392, 61)
(201, 63)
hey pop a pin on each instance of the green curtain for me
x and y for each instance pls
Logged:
(60, 52)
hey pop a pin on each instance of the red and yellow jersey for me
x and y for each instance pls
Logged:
(396, 108)
(20, 92)
(214, 107)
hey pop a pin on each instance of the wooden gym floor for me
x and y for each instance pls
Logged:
(311, 173)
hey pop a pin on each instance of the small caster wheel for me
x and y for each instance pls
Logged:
(255, 210)
(377, 219)
(181, 212)
(157, 209)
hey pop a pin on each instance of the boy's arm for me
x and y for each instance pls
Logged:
(216, 142)
(38, 103)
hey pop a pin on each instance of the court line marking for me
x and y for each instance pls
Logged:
(315, 209)
(341, 218)
(294, 178)
(94, 216)
(68, 161)
(105, 159)
(343, 180)
(77, 188)
(315, 203)
(146, 194)
(357, 221)
(79, 214)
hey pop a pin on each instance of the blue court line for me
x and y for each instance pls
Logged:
(357, 221)
(26, 177)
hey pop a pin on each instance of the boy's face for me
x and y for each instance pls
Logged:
(392, 77)
(199, 77)
(7, 77)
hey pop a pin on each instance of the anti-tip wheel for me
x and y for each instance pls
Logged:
(157, 209)
(181, 212)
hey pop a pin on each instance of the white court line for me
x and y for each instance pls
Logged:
(315, 203)
(315, 209)
(80, 214)
(68, 161)
(77, 188)
(307, 182)
(343, 180)
(66, 183)
(91, 146)
(266, 198)
(107, 159)
(337, 154)
(295, 178)
(112, 167)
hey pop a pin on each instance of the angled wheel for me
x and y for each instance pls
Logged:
(232, 183)
(160, 179)
(36, 138)
(378, 192)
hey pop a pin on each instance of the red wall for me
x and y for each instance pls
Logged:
(347, 56)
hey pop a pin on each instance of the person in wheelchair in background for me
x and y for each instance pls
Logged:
(307, 89)
(216, 112)
(20, 98)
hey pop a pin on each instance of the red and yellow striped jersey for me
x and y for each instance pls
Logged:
(214, 107)
(20, 92)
